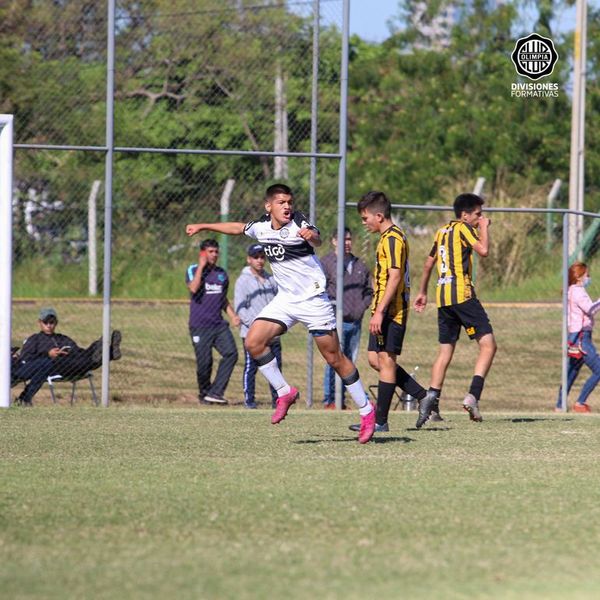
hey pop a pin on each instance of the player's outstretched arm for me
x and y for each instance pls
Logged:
(421, 300)
(230, 228)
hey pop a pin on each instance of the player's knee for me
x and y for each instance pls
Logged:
(487, 344)
(374, 363)
(334, 360)
(254, 347)
(339, 362)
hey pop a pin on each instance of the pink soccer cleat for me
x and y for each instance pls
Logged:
(367, 427)
(283, 405)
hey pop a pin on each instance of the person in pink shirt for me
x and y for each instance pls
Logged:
(580, 322)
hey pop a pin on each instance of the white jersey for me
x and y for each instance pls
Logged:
(296, 269)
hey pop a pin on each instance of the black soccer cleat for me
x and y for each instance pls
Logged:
(378, 428)
(426, 407)
(435, 416)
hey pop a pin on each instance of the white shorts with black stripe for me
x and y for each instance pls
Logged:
(315, 313)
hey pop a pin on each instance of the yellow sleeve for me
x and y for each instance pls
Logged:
(433, 251)
(394, 251)
(468, 234)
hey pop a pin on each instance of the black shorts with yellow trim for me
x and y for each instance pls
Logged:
(390, 339)
(470, 315)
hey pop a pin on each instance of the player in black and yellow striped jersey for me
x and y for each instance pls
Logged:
(389, 310)
(452, 250)
(392, 253)
(452, 253)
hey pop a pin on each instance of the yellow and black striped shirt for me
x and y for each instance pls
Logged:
(392, 253)
(453, 247)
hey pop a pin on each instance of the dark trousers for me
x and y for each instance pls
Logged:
(78, 362)
(250, 368)
(35, 371)
(204, 339)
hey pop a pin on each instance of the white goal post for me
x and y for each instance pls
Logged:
(6, 185)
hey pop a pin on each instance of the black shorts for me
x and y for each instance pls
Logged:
(470, 315)
(390, 339)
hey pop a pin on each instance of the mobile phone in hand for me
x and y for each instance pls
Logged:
(65, 348)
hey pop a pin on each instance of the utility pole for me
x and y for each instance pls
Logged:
(576, 170)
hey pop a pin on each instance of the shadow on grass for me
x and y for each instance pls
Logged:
(429, 429)
(533, 419)
(374, 440)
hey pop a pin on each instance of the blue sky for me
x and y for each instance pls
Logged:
(368, 18)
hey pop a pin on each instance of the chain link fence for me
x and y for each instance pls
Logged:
(207, 92)
(520, 284)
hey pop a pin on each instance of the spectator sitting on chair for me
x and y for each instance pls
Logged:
(67, 359)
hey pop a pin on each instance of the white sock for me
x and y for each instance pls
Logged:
(357, 391)
(274, 376)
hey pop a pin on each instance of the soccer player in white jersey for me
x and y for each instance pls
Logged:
(289, 241)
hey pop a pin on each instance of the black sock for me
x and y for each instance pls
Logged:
(477, 386)
(385, 393)
(438, 393)
(408, 384)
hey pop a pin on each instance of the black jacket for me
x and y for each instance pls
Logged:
(39, 344)
(358, 290)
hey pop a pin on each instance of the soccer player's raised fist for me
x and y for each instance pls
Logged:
(193, 229)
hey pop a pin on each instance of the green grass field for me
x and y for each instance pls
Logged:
(142, 502)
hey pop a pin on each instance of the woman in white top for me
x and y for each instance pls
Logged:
(580, 322)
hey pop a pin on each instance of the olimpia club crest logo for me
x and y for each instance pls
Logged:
(534, 56)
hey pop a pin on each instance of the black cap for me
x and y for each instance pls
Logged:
(48, 313)
(255, 249)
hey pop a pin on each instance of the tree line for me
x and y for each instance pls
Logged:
(424, 122)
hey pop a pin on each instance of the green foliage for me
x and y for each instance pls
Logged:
(435, 116)
(424, 122)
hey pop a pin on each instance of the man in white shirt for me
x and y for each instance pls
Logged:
(289, 241)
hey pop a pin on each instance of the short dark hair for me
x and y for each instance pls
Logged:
(335, 231)
(375, 202)
(278, 188)
(209, 244)
(467, 203)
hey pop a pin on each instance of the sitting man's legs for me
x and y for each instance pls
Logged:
(78, 363)
(35, 371)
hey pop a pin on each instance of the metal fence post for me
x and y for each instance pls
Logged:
(108, 189)
(314, 107)
(224, 239)
(550, 204)
(342, 189)
(565, 292)
(92, 239)
(6, 169)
